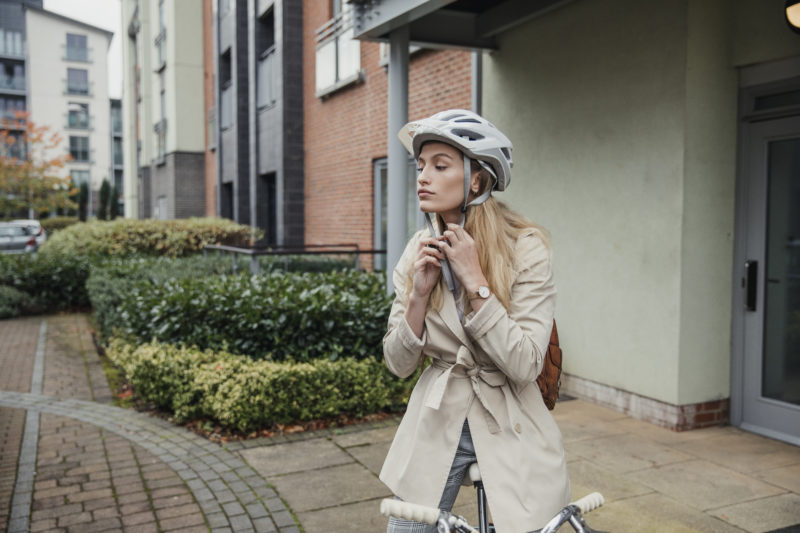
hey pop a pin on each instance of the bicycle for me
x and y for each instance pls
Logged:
(447, 522)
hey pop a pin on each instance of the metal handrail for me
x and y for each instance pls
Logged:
(308, 249)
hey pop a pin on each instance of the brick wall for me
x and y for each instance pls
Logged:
(346, 131)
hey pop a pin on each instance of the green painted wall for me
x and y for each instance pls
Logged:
(623, 117)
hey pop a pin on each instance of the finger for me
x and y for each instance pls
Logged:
(435, 252)
(450, 236)
(460, 232)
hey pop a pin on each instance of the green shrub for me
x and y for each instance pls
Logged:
(54, 283)
(245, 395)
(53, 224)
(275, 316)
(125, 237)
(12, 302)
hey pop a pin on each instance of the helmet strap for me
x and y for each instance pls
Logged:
(467, 181)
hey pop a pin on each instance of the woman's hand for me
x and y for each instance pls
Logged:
(427, 268)
(461, 252)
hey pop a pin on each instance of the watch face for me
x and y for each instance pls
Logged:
(483, 292)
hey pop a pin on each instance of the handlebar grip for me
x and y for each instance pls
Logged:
(589, 502)
(409, 511)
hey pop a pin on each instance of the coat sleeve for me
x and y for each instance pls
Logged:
(517, 339)
(402, 348)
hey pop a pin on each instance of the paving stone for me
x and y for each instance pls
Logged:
(172, 512)
(264, 525)
(361, 516)
(766, 514)
(72, 519)
(240, 523)
(194, 519)
(138, 518)
(298, 457)
(233, 509)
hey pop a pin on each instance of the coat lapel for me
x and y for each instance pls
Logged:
(449, 315)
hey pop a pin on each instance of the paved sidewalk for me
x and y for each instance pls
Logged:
(70, 461)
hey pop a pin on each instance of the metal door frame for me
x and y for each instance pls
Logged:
(757, 81)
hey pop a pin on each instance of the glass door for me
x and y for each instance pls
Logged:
(770, 281)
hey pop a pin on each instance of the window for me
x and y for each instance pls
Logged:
(79, 176)
(9, 107)
(224, 8)
(160, 40)
(77, 81)
(117, 150)
(76, 48)
(78, 116)
(338, 54)
(414, 218)
(79, 148)
(226, 91)
(116, 120)
(12, 77)
(11, 43)
(265, 70)
(212, 128)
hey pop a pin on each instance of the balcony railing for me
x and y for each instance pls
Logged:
(160, 129)
(116, 125)
(266, 78)
(79, 121)
(75, 53)
(161, 52)
(84, 89)
(226, 108)
(12, 83)
(338, 54)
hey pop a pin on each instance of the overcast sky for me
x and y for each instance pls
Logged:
(103, 14)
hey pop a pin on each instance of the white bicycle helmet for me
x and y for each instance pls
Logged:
(473, 135)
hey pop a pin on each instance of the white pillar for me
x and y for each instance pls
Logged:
(397, 171)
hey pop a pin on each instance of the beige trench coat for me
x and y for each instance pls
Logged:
(483, 370)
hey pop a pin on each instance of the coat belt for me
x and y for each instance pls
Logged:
(465, 367)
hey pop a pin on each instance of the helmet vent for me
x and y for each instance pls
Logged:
(467, 119)
(469, 134)
(506, 153)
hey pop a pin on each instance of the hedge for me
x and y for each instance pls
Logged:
(13, 302)
(275, 316)
(127, 237)
(244, 394)
(53, 224)
(53, 283)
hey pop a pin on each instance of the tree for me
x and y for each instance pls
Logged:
(83, 201)
(102, 208)
(30, 180)
(113, 207)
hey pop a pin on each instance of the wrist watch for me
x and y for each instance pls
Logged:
(482, 292)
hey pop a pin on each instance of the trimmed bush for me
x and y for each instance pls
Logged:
(125, 237)
(53, 224)
(12, 302)
(245, 395)
(54, 283)
(302, 316)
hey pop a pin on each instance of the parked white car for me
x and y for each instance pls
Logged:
(17, 239)
(36, 230)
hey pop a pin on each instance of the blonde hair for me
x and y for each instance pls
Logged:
(495, 228)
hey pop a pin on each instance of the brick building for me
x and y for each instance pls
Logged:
(345, 116)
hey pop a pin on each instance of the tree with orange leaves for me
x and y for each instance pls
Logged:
(30, 181)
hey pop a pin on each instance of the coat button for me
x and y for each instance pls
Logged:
(517, 428)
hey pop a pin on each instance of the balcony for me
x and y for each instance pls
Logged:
(160, 129)
(78, 54)
(161, 49)
(226, 108)
(78, 88)
(338, 54)
(266, 79)
(12, 84)
(116, 124)
(79, 121)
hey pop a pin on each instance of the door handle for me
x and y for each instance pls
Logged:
(750, 284)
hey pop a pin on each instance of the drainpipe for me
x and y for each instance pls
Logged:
(397, 180)
(477, 81)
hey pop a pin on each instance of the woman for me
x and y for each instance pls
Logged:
(478, 299)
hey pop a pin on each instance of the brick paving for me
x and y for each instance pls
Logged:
(97, 467)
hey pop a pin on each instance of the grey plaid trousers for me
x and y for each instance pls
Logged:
(465, 456)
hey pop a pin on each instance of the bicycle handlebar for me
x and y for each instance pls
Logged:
(590, 502)
(430, 515)
(409, 511)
